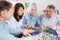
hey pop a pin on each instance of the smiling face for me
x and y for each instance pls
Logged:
(49, 12)
(20, 11)
(33, 10)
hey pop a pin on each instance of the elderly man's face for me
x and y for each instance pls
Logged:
(49, 12)
(33, 10)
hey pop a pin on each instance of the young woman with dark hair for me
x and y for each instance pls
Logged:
(16, 21)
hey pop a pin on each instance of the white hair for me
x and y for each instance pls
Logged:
(31, 5)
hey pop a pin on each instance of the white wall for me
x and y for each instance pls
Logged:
(40, 3)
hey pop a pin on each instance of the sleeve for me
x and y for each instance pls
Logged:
(38, 22)
(6, 36)
(23, 21)
(58, 22)
(40, 17)
(57, 26)
(54, 27)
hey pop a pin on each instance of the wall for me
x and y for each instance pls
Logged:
(40, 3)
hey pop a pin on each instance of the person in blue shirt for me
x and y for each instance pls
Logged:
(5, 35)
(6, 12)
(30, 18)
(16, 21)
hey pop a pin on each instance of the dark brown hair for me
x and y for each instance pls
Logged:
(5, 5)
(17, 6)
(51, 6)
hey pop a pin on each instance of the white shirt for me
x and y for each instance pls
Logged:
(54, 21)
(15, 26)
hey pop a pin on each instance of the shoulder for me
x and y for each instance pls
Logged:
(42, 15)
(36, 15)
(26, 14)
(58, 16)
(12, 19)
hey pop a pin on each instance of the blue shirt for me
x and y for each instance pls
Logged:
(31, 20)
(5, 35)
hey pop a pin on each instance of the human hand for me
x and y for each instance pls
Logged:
(49, 27)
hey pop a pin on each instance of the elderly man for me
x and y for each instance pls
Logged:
(31, 19)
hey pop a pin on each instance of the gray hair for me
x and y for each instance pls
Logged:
(31, 5)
